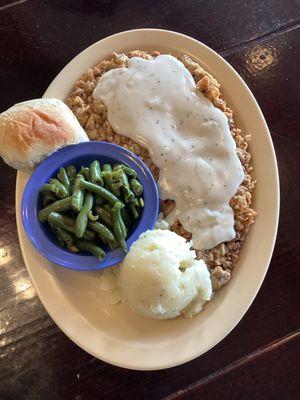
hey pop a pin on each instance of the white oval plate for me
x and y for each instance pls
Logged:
(114, 333)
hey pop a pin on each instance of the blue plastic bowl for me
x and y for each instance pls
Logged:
(78, 155)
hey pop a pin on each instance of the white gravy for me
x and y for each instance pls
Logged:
(155, 103)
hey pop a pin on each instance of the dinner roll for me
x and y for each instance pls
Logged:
(32, 130)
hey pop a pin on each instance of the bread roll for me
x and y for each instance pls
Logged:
(32, 130)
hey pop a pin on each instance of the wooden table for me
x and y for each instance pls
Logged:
(260, 359)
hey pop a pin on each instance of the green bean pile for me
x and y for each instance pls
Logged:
(92, 207)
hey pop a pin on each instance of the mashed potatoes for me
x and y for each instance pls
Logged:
(160, 277)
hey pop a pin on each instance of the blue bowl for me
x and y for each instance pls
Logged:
(78, 155)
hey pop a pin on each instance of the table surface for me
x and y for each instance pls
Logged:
(260, 359)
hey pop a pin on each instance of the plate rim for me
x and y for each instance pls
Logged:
(241, 314)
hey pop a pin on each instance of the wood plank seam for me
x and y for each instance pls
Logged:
(20, 339)
(266, 36)
(15, 3)
(236, 364)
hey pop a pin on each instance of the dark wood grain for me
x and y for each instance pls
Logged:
(260, 358)
(252, 376)
(40, 36)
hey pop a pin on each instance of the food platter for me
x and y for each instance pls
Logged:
(114, 333)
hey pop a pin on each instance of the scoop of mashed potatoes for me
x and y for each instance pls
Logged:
(160, 277)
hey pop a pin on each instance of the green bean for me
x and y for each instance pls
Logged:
(99, 191)
(82, 217)
(129, 171)
(55, 232)
(106, 167)
(134, 208)
(66, 237)
(117, 181)
(93, 217)
(121, 178)
(104, 215)
(68, 224)
(71, 171)
(55, 187)
(95, 173)
(128, 193)
(106, 175)
(126, 218)
(85, 171)
(91, 248)
(78, 194)
(117, 176)
(118, 225)
(63, 237)
(135, 201)
(123, 227)
(136, 187)
(115, 188)
(64, 179)
(102, 231)
(141, 201)
(48, 198)
(108, 181)
(58, 206)
(57, 182)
